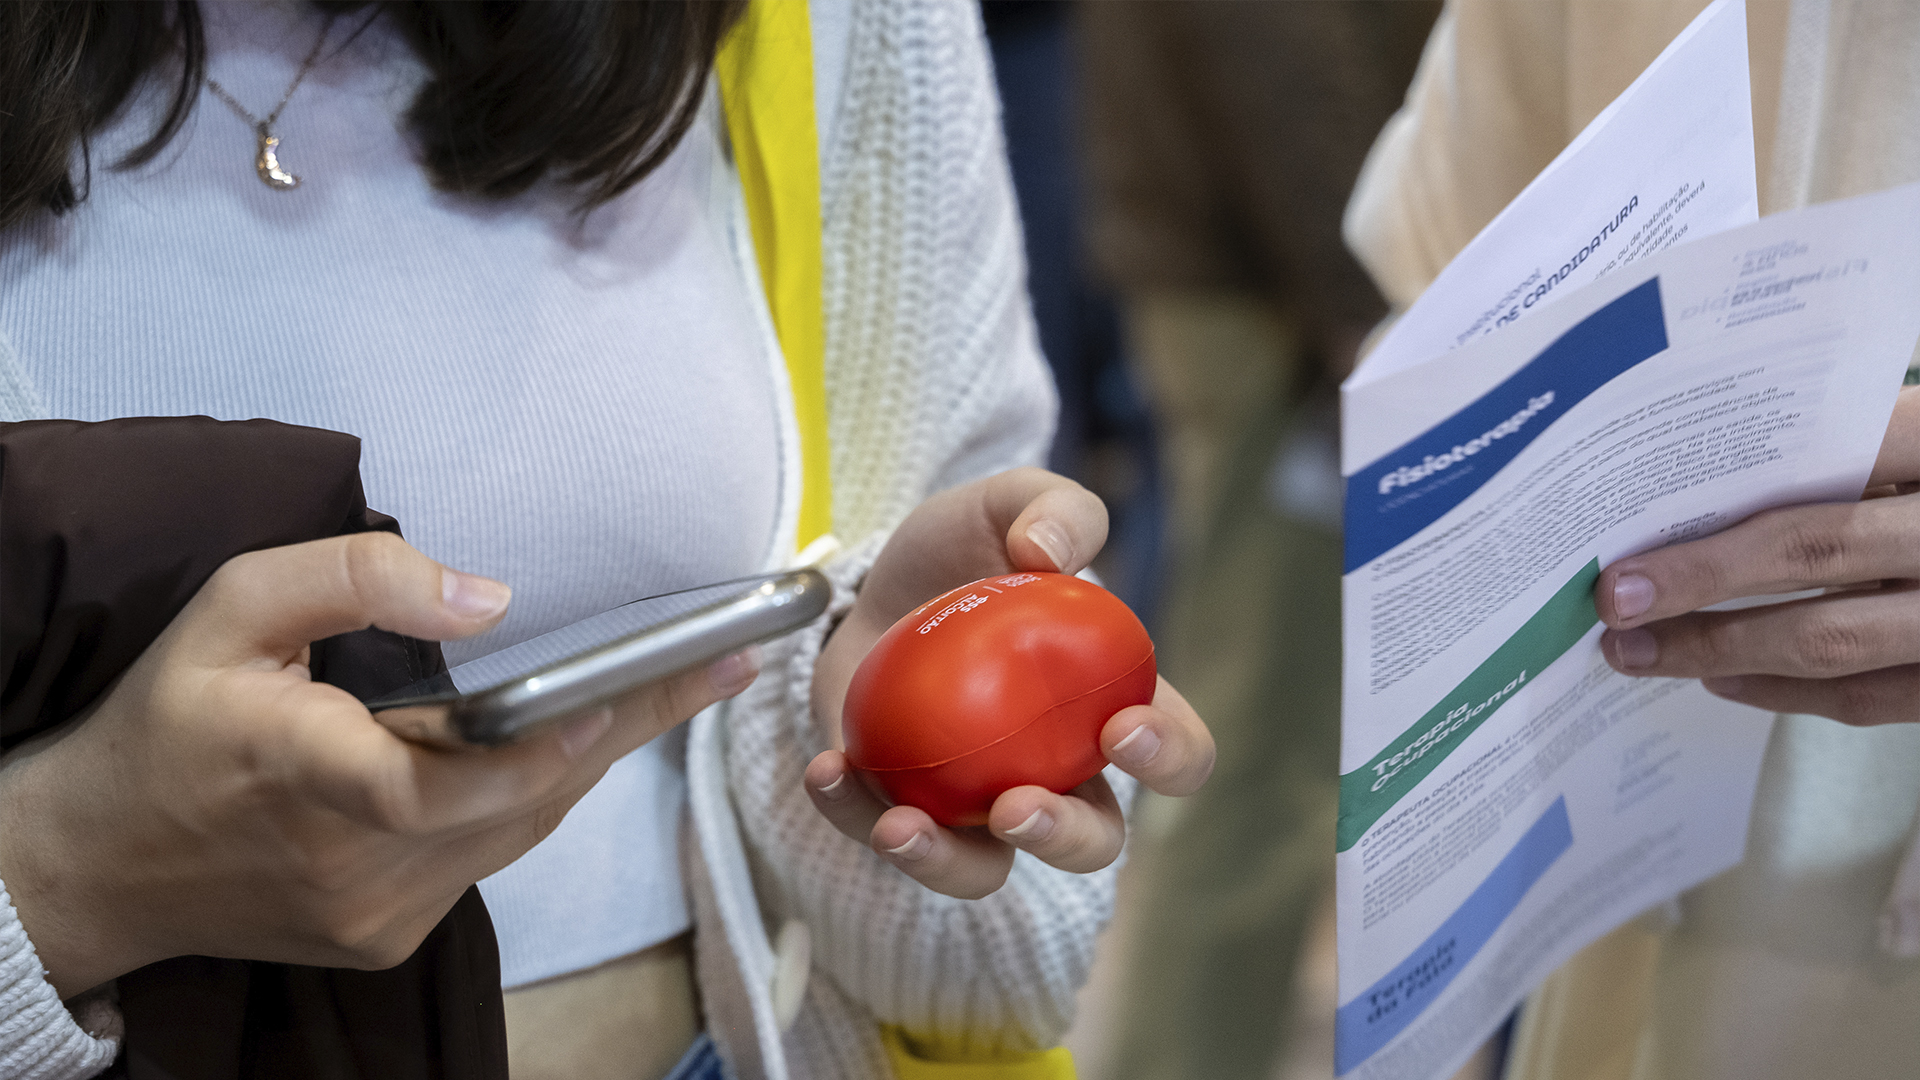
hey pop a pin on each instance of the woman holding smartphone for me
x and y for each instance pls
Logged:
(507, 246)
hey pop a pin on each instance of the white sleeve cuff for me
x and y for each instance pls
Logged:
(39, 1038)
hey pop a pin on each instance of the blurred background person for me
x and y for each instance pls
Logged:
(1105, 437)
(1221, 141)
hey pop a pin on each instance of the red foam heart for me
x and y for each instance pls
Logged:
(1000, 683)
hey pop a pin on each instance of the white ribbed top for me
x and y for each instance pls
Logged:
(581, 408)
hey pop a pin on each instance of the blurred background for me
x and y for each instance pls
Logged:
(1182, 167)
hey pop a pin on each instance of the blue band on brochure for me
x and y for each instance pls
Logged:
(1383, 1010)
(1410, 488)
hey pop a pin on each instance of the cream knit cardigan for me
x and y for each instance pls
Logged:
(934, 377)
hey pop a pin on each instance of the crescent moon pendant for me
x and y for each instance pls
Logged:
(267, 164)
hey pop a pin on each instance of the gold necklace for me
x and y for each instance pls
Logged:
(266, 160)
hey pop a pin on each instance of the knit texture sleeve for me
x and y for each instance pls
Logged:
(934, 373)
(935, 378)
(39, 1038)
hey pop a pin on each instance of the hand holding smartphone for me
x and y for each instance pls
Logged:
(509, 694)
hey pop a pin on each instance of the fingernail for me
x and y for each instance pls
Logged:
(1632, 596)
(1034, 829)
(1134, 751)
(837, 790)
(1635, 648)
(581, 734)
(731, 674)
(1052, 539)
(472, 595)
(913, 850)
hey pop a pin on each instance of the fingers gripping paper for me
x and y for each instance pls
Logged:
(1572, 390)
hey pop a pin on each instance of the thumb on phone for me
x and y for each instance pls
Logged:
(271, 604)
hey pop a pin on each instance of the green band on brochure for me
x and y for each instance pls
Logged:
(1369, 792)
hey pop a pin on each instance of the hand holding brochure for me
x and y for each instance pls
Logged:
(1506, 797)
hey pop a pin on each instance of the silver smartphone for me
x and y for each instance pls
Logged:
(506, 695)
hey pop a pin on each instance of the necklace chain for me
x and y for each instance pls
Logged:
(264, 127)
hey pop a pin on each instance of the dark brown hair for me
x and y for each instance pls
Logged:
(595, 92)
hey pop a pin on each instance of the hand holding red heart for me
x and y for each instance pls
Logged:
(1023, 520)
